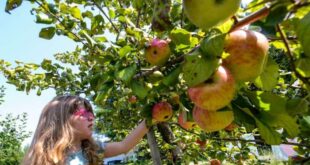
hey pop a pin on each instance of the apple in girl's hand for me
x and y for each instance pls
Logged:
(208, 13)
(157, 52)
(216, 92)
(211, 121)
(162, 111)
(247, 54)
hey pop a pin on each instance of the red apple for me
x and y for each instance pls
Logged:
(211, 121)
(162, 111)
(158, 52)
(215, 93)
(247, 54)
(187, 125)
(132, 99)
(201, 143)
(208, 13)
(215, 162)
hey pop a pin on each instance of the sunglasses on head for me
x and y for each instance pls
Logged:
(84, 113)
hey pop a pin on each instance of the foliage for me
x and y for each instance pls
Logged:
(12, 134)
(109, 67)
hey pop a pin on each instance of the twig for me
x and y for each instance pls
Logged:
(290, 56)
(251, 18)
(109, 19)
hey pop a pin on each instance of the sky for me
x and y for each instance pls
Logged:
(19, 40)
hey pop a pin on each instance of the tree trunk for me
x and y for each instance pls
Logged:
(151, 140)
(169, 137)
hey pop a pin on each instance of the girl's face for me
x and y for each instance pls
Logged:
(83, 123)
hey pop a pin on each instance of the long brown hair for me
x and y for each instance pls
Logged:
(54, 134)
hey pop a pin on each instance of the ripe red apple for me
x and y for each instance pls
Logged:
(187, 125)
(201, 143)
(162, 111)
(208, 13)
(132, 99)
(158, 52)
(215, 93)
(211, 121)
(247, 54)
(215, 162)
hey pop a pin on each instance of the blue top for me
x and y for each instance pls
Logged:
(78, 158)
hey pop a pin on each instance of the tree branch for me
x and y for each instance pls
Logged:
(109, 19)
(59, 20)
(242, 140)
(251, 18)
(290, 56)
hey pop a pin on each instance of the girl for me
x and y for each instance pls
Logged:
(63, 136)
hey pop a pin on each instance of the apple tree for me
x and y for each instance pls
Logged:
(204, 73)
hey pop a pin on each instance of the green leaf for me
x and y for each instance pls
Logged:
(274, 113)
(76, 13)
(271, 136)
(139, 89)
(213, 46)
(44, 19)
(269, 77)
(180, 36)
(173, 77)
(303, 67)
(303, 33)
(198, 68)
(111, 13)
(297, 106)
(277, 15)
(124, 51)
(127, 74)
(12, 4)
(104, 93)
(47, 33)
(88, 38)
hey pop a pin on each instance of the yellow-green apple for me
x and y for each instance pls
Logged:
(209, 13)
(211, 121)
(157, 52)
(162, 111)
(216, 92)
(188, 125)
(215, 162)
(247, 54)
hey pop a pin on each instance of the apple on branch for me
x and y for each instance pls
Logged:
(211, 121)
(216, 92)
(157, 52)
(247, 54)
(162, 111)
(208, 13)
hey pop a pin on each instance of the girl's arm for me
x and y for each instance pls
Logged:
(116, 148)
